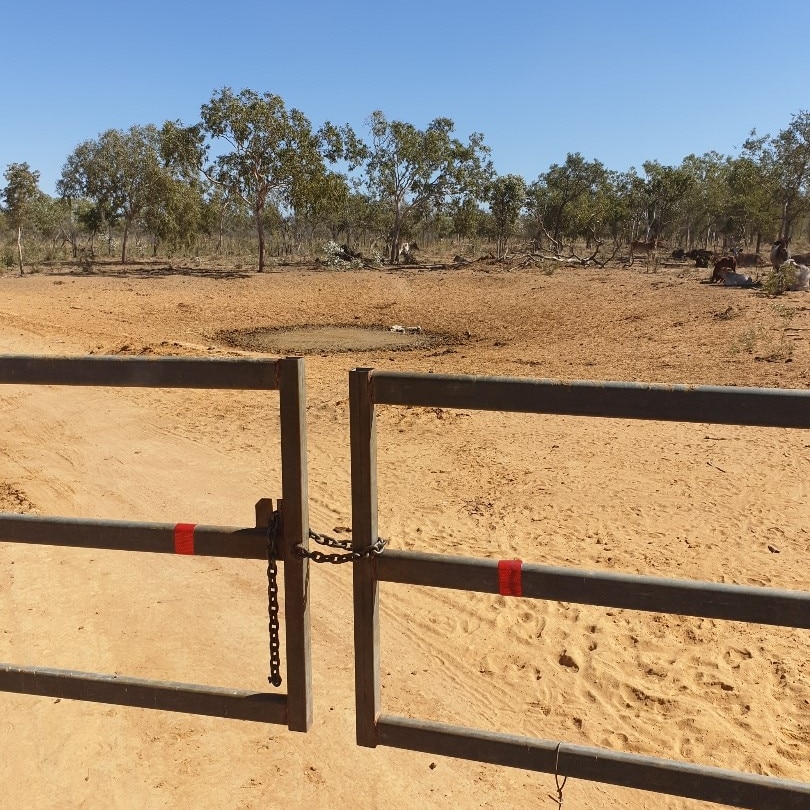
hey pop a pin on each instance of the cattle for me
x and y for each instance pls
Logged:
(647, 248)
(749, 260)
(732, 279)
(701, 257)
(779, 253)
(723, 265)
(801, 279)
(406, 252)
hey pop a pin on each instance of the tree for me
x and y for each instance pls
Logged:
(704, 207)
(271, 154)
(665, 189)
(506, 197)
(19, 195)
(466, 217)
(122, 173)
(556, 198)
(785, 160)
(751, 200)
(414, 171)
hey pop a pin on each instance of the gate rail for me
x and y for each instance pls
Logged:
(734, 406)
(285, 375)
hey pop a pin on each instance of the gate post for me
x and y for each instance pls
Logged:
(364, 533)
(295, 524)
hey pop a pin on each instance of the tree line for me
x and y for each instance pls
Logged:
(251, 165)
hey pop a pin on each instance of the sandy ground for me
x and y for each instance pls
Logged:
(724, 504)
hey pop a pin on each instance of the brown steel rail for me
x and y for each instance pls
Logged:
(236, 704)
(722, 405)
(121, 535)
(683, 597)
(284, 375)
(734, 406)
(143, 372)
(685, 779)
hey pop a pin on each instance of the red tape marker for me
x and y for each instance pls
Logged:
(184, 538)
(510, 578)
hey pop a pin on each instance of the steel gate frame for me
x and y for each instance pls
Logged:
(720, 405)
(285, 375)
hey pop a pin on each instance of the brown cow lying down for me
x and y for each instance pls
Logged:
(723, 265)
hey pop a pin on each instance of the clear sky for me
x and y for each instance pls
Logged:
(619, 82)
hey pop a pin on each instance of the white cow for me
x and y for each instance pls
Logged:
(802, 282)
(733, 279)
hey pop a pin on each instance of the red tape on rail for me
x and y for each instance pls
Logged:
(510, 578)
(184, 538)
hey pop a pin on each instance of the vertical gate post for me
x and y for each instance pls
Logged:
(295, 523)
(364, 533)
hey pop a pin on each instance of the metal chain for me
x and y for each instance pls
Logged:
(272, 600)
(350, 554)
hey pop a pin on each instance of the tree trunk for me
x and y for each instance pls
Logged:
(19, 248)
(396, 232)
(124, 242)
(260, 232)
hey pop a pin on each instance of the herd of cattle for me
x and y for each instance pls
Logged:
(725, 266)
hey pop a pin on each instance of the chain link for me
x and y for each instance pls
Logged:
(350, 554)
(272, 600)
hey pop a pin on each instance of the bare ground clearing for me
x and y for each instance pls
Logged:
(693, 501)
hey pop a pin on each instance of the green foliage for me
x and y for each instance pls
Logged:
(506, 196)
(780, 280)
(251, 159)
(19, 196)
(412, 172)
(122, 173)
(20, 192)
(784, 161)
(561, 202)
(270, 153)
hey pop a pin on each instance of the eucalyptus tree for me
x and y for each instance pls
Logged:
(665, 190)
(50, 218)
(266, 155)
(559, 199)
(326, 203)
(785, 160)
(752, 207)
(20, 195)
(222, 213)
(122, 173)
(703, 209)
(466, 217)
(610, 204)
(506, 196)
(412, 171)
(174, 214)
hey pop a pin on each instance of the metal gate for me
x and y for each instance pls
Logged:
(287, 377)
(732, 406)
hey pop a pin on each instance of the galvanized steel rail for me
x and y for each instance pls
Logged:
(284, 375)
(760, 407)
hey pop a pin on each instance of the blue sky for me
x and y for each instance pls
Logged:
(619, 82)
